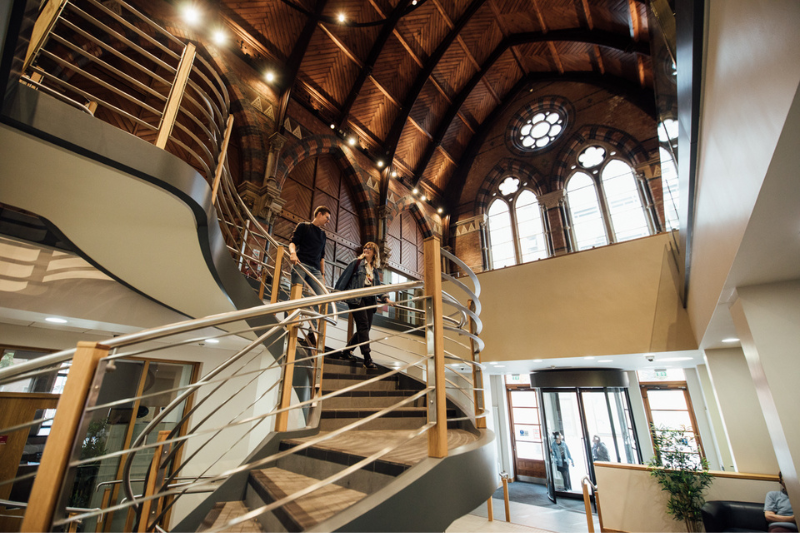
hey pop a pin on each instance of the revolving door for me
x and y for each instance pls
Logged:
(585, 417)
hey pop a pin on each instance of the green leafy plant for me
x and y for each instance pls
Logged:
(681, 472)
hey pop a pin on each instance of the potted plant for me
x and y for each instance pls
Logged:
(681, 472)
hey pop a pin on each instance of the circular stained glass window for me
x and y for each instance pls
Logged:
(541, 129)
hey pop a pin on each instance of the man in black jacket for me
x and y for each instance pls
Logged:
(308, 247)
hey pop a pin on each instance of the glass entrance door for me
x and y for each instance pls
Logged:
(567, 460)
(609, 426)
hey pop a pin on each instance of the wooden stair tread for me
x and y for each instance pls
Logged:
(312, 508)
(223, 512)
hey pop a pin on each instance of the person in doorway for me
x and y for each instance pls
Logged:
(778, 509)
(360, 273)
(560, 456)
(307, 247)
(599, 450)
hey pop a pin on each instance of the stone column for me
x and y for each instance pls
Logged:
(265, 201)
(384, 213)
(276, 142)
(554, 204)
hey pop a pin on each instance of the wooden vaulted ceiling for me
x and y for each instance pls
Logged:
(416, 81)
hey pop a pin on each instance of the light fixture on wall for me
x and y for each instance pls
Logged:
(191, 15)
(219, 37)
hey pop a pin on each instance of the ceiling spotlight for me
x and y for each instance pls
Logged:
(380, 163)
(219, 37)
(413, 2)
(55, 320)
(270, 76)
(423, 198)
(394, 173)
(212, 341)
(351, 140)
(333, 126)
(440, 210)
(191, 15)
(415, 191)
(341, 18)
(731, 339)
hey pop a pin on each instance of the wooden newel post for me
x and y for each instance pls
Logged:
(437, 435)
(173, 104)
(282, 418)
(57, 452)
(151, 508)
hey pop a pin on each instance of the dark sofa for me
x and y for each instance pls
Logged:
(734, 516)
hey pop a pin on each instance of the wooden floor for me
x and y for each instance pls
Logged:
(365, 443)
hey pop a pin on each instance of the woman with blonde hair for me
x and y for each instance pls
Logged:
(362, 272)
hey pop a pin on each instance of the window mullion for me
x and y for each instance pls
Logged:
(604, 210)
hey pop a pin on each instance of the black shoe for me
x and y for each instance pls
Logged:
(345, 356)
(370, 364)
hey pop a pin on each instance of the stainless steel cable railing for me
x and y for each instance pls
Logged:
(95, 57)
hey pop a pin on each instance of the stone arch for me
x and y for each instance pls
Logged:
(358, 179)
(626, 146)
(507, 166)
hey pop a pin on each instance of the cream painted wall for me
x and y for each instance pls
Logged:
(744, 421)
(767, 318)
(748, 86)
(721, 443)
(633, 501)
(597, 302)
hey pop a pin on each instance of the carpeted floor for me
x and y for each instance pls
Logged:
(534, 494)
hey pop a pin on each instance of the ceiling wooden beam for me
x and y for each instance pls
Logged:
(635, 20)
(539, 16)
(640, 67)
(597, 37)
(343, 47)
(582, 7)
(419, 83)
(505, 32)
(554, 53)
(598, 54)
(366, 69)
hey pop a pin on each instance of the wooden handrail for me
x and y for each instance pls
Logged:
(55, 458)
(282, 418)
(221, 164)
(176, 96)
(437, 435)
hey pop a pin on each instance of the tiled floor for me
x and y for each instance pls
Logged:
(524, 517)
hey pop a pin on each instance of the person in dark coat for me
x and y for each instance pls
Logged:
(360, 273)
(599, 450)
(559, 454)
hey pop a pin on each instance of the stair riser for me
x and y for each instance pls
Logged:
(329, 424)
(267, 521)
(338, 384)
(362, 480)
(368, 401)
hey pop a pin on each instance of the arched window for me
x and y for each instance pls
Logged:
(501, 236)
(624, 201)
(532, 241)
(587, 219)
(669, 184)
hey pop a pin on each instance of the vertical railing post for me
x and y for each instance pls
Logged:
(221, 164)
(282, 418)
(173, 104)
(477, 376)
(152, 508)
(437, 399)
(41, 29)
(276, 275)
(55, 459)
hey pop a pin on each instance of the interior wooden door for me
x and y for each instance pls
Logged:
(319, 181)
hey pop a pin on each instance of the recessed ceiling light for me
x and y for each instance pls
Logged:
(219, 37)
(55, 320)
(537, 360)
(605, 361)
(731, 339)
(270, 76)
(212, 341)
(675, 359)
(500, 366)
(589, 357)
(191, 15)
